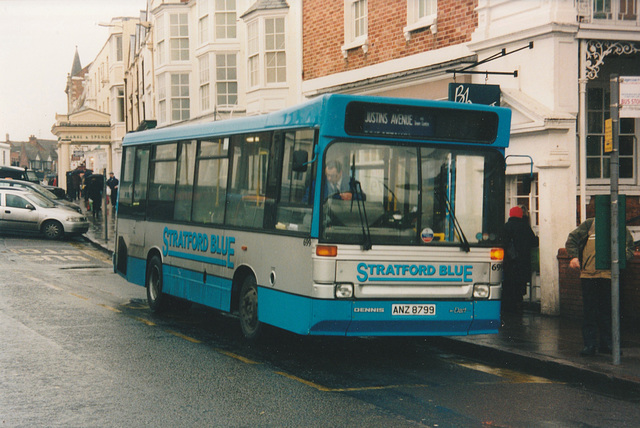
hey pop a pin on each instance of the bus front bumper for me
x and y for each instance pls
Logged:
(305, 315)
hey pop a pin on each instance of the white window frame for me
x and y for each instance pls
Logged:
(226, 75)
(162, 99)
(203, 29)
(120, 105)
(160, 42)
(253, 54)
(588, 10)
(614, 12)
(421, 14)
(179, 37)
(205, 87)
(596, 132)
(225, 11)
(118, 48)
(180, 101)
(275, 51)
(351, 40)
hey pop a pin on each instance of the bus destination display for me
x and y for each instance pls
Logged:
(421, 123)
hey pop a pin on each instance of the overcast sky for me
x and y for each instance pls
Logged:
(38, 39)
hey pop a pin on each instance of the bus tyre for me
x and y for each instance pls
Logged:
(248, 310)
(156, 298)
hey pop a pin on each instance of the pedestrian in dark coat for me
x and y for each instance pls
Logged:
(596, 287)
(113, 182)
(94, 187)
(519, 239)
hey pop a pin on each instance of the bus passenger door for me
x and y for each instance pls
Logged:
(295, 194)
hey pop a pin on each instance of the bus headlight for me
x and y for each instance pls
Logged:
(344, 290)
(481, 291)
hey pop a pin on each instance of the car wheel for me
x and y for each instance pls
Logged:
(156, 298)
(52, 229)
(248, 310)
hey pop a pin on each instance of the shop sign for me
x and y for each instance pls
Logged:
(474, 94)
(629, 96)
(608, 135)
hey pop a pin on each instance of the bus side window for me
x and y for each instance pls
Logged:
(210, 190)
(294, 207)
(247, 194)
(125, 189)
(184, 185)
(133, 188)
(162, 182)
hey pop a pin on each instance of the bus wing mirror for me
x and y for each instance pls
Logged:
(526, 180)
(526, 184)
(300, 160)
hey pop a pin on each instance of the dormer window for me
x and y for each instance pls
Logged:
(266, 50)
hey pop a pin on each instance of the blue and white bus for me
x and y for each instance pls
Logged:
(345, 215)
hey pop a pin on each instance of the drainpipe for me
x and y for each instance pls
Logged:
(582, 130)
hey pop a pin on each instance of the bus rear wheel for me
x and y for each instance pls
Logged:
(251, 326)
(156, 298)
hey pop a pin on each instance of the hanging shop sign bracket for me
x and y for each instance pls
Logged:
(502, 53)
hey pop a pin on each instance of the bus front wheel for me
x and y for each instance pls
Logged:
(156, 298)
(249, 322)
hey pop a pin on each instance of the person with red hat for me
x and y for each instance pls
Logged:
(519, 239)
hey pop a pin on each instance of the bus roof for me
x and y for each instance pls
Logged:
(311, 113)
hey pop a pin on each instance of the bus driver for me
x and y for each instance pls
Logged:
(336, 186)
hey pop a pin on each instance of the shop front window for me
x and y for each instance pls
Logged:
(598, 110)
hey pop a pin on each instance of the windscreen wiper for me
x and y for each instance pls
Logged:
(465, 243)
(359, 196)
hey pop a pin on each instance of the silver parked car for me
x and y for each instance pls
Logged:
(38, 188)
(24, 211)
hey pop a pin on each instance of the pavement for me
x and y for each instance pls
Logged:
(547, 345)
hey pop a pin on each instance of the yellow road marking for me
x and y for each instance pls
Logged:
(236, 356)
(182, 336)
(144, 321)
(79, 296)
(53, 287)
(305, 382)
(111, 308)
(135, 306)
(511, 375)
(362, 388)
(96, 254)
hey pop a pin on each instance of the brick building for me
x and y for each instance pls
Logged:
(551, 61)
(36, 154)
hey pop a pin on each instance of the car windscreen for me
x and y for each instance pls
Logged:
(40, 200)
(31, 176)
(44, 192)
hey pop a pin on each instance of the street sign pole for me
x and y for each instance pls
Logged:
(105, 206)
(615, 249)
